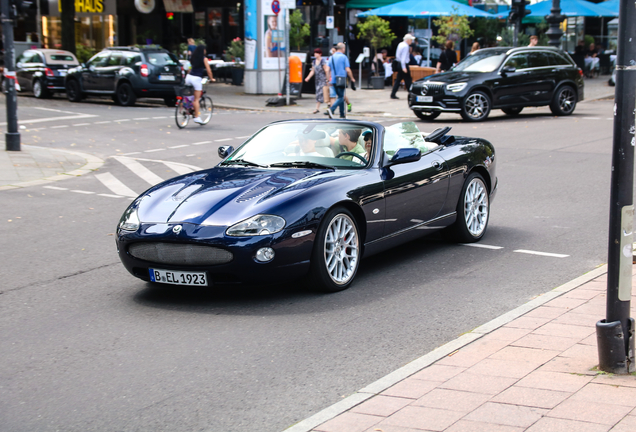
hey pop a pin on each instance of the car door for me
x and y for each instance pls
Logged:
(24, 71)
(90, 74)
(106, 74)
(541, 78)
(414, 192)
(513, 87)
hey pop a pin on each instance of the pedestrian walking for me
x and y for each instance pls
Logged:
(340, 67)
(448, 58)
(320, 69)
(534, 41)
(476, 47)
(402, 58)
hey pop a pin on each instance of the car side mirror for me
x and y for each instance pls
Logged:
(405, 155)
(508, 69)
(83, 65)
(225, 151)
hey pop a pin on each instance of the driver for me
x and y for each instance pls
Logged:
(348, 140)
(306, 144)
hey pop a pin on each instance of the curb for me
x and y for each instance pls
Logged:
(438, 353)
(92, 163)
(242, 108)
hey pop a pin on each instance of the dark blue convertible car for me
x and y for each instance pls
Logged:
(308, 198)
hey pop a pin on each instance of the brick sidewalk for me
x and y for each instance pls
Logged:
(534, 373)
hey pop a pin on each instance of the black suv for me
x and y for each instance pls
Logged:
(126, 74)
(505, 78)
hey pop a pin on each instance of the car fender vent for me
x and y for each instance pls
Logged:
(180, 254)
(255, 192)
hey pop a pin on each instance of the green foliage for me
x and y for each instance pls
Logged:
(235, 50)
(506, 38)
(588, 40)
(377, 31)
(486, 30)
(83, 53)
(453, 27)
(299, 31)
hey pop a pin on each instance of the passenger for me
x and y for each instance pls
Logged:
(349, 140)
(368, 144)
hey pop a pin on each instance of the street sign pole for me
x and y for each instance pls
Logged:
(12, 136)
(615, 334)
(287, 56)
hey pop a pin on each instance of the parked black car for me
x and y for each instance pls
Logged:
(42, 71)
(125, 74)
(505, 78)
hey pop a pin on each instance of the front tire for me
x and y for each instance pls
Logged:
(564, 101)
(426, 116)
(125, 95)
(473, 210)
(181, 115)
(73, 91)
(336, 255)
(206, 109)
(476, 106)
(39, 90)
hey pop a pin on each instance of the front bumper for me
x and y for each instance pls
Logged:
(291, 260)
(439, 99)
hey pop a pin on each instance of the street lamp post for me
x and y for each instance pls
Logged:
(12, 136)
(554, 19)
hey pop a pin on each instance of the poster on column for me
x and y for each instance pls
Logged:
(272, 44)
(251, 36)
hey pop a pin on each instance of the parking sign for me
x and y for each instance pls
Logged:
(330, 22)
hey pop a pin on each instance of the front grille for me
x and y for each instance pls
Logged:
(180, 254)
(432, 89)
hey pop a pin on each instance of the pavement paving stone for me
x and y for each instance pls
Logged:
(593, 391)
(546, 312)
(531, 397)
(616, 380)
(473, 353)
(554, 381)
(508, 334)
(581, 293)
(593, 412)
(381, 405)
(349, 422)
(545, 342)
(578, 319)
(478, 383)
(516, 353)
(580, 351)
(410, 388)
(452, 400)
(628, 424)
(529, 322)
(503, 368)
(565, 303)
(430, 419)
(473, 426)
(582, 366)
(547, 424)
(438, 372)
(564, 330)
(505, 414)
(590, 340)
(392, 428)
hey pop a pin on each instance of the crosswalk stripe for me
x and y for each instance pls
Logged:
(139, 169)
(178, 168)
(115, 186)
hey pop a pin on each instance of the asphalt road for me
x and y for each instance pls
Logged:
(87, 347)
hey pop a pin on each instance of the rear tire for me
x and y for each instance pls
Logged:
(564, 101)
(337, 251)
(181, 115)
(426, 116)
(206, 109)
(39, 90)
(512, 111)
(473, 210)
(73, 91)
(125, 95)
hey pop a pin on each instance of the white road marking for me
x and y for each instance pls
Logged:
(49, 119)
(202, 142)
(82, 192)
(115, 186)
(55, 188)
(110, 196)
(192, 167)
(591, 118)
(102, 122)
(58, 127)
(81, 124)
(243, 137)
(179, 146)
(162, 117)
(553, 255)
(483, 246)
(122, 120)
(55, 110)
(223, 139)
(153, 150)
(139, 169)
(178, 168)
(142, 118)
(131, 153)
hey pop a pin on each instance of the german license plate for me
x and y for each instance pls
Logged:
(425, 98)
(178, 277)
(166, 77)
(62, 72)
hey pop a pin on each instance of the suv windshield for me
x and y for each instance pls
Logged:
(162, 59)
(481, 61)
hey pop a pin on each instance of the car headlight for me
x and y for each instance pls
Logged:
(456, 87)
(129, 220)
(257, 225)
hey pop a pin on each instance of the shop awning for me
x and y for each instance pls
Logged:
(369, 4)
(426, 8)
(183, 6)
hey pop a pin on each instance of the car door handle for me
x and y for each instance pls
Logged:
(437, 165)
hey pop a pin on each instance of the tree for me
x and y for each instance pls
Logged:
(377, 31)
(453, 27)
(68, 25)
(298, 29)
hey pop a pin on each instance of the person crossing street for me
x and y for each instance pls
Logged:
(340, 68)
(402, 57)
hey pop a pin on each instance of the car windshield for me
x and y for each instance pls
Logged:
(322, 145)
(481, 61)
(162, 59)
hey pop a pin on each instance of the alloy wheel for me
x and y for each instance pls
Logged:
(341, 249)
(567, 100)
(476, 207)
(477, 106)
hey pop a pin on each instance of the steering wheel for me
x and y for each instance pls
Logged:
(364, 161)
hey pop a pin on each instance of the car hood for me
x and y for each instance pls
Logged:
(449, 77)
(224, 196)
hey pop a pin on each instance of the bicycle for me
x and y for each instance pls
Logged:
(185, 106)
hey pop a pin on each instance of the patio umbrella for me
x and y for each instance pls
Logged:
(569, 8)
(426, 8)
(611, 5)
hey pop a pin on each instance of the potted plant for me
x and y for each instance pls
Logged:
(235, 53)
(378, 32)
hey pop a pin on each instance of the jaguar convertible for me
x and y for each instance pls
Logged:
(308, 199)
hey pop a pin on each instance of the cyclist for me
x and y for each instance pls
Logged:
(200, 67)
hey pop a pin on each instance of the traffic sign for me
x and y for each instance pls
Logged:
(275, 7)
(329, 22)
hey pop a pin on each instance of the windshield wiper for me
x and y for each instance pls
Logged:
(302, 164)
(243, 162)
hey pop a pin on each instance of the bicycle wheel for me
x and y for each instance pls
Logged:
(181, 115)
(206, 108)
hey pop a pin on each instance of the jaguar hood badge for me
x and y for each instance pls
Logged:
(177, 229)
